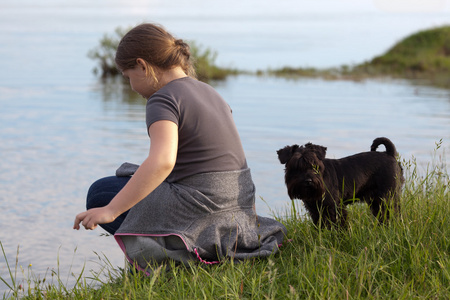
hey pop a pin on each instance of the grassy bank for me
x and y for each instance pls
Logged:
(426, 52)
(407, 259)
(424, 55)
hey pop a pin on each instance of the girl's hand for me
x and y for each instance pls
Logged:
(92, 217)
(153, 170)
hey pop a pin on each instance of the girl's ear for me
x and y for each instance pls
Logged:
(142, 64)
(147, 68)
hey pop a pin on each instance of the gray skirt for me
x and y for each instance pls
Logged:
(206, 217)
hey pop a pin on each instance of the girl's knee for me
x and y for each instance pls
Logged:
(102, 191)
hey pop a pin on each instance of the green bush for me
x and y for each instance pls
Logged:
(424, 55)
(425, 52)
(203, 59)
(105, 52)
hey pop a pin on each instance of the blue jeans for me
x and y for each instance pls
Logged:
(102, 192)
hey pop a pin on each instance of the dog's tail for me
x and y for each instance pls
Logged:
(390, 148)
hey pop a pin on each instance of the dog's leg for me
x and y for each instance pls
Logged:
(379, 209)
(392, 204)
(385, 206)
(334, 212)
(330, 214)
(342, 218)
(397, 195)
(335, 215)
(313, 210)
(396, 203)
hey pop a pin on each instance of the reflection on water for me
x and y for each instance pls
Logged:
(117, 89)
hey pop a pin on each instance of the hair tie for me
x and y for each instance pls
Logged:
(183, 47)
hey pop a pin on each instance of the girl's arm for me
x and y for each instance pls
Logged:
(152, 172)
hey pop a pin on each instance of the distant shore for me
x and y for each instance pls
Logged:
(423, 56)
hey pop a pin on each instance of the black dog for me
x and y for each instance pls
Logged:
(327, 185)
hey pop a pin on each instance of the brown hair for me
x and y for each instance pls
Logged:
(157, 47)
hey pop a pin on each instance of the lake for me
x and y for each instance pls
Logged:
(61, 128)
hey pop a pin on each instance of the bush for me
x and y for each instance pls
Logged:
(204, 59)
(424, 52)
(106, 51)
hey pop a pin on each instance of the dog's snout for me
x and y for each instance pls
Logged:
(308, 181)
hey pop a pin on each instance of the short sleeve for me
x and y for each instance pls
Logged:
(161, 108)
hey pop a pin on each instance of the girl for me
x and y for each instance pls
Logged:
(193, 196)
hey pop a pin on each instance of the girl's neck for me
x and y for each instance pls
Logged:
(170, 75)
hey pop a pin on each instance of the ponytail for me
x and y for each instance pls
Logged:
(157, 47)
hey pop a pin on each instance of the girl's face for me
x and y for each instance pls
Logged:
(140, 82)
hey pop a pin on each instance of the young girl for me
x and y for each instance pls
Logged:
(193, 196)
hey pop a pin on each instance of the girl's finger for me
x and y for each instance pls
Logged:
(78, 219)
(89, 223)
(86, 221)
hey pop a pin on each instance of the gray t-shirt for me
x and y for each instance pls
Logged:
(208, 140)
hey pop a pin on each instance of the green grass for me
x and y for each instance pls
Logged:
(409, 258)
(424, 55)
(425, 52)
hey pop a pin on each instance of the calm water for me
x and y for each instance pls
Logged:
(61, 129)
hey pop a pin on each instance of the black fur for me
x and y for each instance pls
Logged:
(326, 186)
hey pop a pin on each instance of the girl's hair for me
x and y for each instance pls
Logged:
(157, 47)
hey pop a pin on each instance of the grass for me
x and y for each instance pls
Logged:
(409, 258)
(424, 55)
(424, 52)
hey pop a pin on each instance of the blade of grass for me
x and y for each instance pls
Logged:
(13, 287)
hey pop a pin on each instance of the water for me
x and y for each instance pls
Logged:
(61, 129)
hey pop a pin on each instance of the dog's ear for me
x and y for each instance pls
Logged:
(320, 151)
(285, 154)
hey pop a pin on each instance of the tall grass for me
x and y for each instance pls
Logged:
(408, 258)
